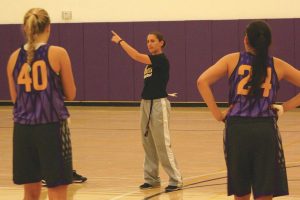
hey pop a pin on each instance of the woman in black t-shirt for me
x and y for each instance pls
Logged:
(155, 111)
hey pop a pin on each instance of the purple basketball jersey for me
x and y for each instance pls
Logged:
(245, 105)
(40, 96)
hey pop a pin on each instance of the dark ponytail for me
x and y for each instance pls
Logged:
(259, 37)
(159, 36)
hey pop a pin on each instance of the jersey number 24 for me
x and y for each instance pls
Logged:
(241, 85)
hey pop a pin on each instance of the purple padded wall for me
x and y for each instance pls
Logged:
(5, 51)
(71, 38)
(140, 31)
(198, 54)
(11, 38)
(282, 39)
(104, 72)
(16, 36)
(121, 84)
(174, 32)
(297, 46)
(241, 33)
(225, 40)
(96, 42)
(283, 47)
(54, 38)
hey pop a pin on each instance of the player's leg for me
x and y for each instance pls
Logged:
(32, 191)
(56, 157)
(161, 134)
(238, 147)
(26, 165)
(264, 198)
(151, 162)
(58, 193)
(269, 170)
(245, 197)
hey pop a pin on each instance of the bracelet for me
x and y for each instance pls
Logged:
(119, 43)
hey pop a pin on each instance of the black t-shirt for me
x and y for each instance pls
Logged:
(156, 77)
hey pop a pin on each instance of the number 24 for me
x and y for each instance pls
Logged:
(266, 85)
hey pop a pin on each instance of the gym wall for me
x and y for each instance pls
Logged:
(103, 72)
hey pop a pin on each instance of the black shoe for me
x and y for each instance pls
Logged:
(44, 184)
(77, 178)
(171, 188)
(147, 186)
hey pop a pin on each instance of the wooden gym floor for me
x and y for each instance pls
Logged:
(107, 150)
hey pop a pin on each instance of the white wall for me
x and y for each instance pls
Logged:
(12, 11)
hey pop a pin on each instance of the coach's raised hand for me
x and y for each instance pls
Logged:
(116, 38)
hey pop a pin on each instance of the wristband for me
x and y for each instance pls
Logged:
(279, 109)
(119, 43)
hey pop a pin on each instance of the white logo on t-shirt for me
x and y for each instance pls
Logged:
(148, 71)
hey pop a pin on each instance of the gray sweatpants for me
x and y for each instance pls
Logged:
(157, 144)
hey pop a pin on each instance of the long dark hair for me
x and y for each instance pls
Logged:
(260, 38)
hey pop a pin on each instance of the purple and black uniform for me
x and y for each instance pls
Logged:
(243, 105)
(36, 106)
(253, 148)
(41, 139)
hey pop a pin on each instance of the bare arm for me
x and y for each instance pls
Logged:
(67, 76)
(291, 103)
(10, 68)
(133, 53)
(61, 64)
(208, 78)
(291, 74)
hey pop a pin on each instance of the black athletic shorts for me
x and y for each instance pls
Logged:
(42, 152)
(254, 157)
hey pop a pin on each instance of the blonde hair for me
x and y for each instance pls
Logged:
(35, 22)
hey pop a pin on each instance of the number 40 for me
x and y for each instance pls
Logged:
(24, 77)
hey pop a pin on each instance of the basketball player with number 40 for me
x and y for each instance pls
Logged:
(40, 79)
